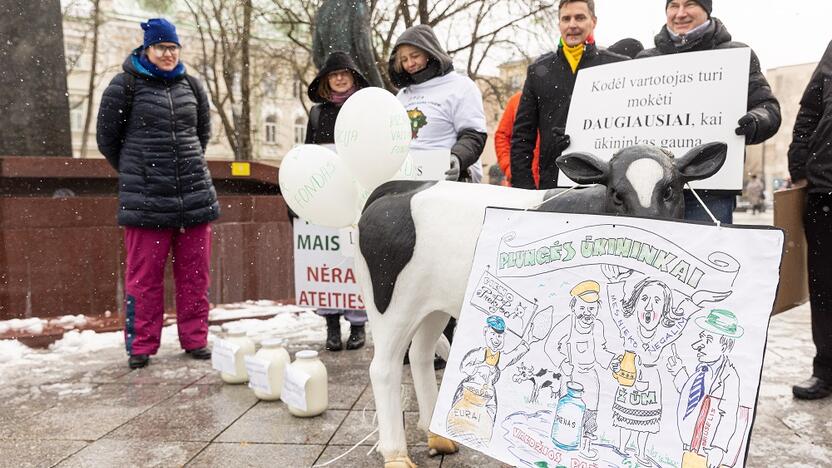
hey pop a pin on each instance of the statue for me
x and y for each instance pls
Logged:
(344, 25)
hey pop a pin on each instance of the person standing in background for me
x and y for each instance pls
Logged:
(154, 124)
(810, 166)
(335, 83)
(547, 93)
(691, 28)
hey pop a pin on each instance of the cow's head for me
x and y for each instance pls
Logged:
(645, 180)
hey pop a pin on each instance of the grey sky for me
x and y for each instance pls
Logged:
(780, 32)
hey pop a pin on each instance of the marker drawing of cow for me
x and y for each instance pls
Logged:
(416, 247)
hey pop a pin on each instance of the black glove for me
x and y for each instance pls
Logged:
(747, 127)
(560, 139)
(453, 173)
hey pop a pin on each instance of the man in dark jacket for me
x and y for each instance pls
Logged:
(691, 28)
(153, 127)
(810, 165)
(547, 94)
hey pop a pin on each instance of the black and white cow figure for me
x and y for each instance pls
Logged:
(417, 240)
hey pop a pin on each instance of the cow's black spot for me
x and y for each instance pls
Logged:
(387, 235)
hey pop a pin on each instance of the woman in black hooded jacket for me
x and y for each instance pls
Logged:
(335, 83)
(445, 107)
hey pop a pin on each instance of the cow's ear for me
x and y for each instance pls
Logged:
(702, 162)
(583, 168)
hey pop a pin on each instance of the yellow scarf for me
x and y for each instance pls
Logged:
(573, 55)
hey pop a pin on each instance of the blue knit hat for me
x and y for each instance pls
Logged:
(158, 30)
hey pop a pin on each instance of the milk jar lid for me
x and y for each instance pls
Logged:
(273, 342)
(306, 354)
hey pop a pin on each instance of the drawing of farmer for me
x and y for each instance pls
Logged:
(714, 377)
(577, 345)
(474, 406)
(648, 322)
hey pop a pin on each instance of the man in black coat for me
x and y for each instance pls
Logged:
(690, 28)
(810, 165)
(547, 94)
(153, 127)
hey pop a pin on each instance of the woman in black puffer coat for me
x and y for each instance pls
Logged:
(153, 127)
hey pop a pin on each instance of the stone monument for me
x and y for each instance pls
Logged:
(344, 25)
(34, 107)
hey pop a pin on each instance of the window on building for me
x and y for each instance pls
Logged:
(300, 131)
(76, 118)
(297, 89)
(270, 130)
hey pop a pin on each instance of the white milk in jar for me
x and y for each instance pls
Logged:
(273, 353)
(305, 385)
(238, 337)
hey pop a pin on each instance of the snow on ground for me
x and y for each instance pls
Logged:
(295, 324)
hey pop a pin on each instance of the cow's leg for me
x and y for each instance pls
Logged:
(424, 377)
(390, 338)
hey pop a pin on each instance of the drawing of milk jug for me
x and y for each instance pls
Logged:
(569, 418)
(626, 375)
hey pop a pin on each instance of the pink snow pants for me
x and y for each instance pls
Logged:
(147, 253)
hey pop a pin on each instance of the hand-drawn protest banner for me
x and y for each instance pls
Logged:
(324, 267)
(589, 340)
(676, 102)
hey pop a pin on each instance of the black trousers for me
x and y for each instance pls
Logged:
(818, 226)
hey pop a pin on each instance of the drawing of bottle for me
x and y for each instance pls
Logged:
(569, 418)
(626, 375)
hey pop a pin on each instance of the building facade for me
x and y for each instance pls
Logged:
(278, 113)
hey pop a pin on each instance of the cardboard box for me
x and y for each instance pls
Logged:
(789, 206)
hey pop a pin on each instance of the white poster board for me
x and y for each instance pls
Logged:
(630, 312)
(425, 165)
(674, 101)
(324, 267)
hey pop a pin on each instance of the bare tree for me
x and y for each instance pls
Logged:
(474, 31)
(225, 31)
(96, 27)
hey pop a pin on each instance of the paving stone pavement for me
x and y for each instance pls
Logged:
(177, 412)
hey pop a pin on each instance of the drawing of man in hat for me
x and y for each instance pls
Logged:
(577, 345)
(715, 377)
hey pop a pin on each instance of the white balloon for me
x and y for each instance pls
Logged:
(318, 186)
(372, 134)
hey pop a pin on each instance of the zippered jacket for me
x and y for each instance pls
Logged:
(155, 136)
(544, 105)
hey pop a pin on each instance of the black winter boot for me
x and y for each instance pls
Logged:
(356, 339)
(333, 333)
(199, 353)
(138, 361)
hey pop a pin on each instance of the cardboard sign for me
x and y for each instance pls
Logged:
(647, 329)
(674, 101)
(789, 207)
(222, 356)
(324, 267)
(258, 374)
(294, 388)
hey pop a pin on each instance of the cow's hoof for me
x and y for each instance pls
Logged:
(439, 445)
(400, 462)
